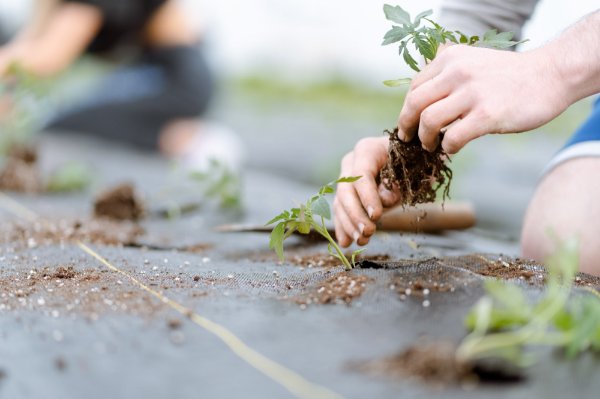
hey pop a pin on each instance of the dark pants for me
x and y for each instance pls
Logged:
(135, 102)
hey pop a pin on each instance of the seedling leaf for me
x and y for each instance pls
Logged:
(321, 207)
(397, 82)
(396, 14)
(276, 242)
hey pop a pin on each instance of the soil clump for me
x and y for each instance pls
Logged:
(120, 203)
(20, 172)
(343, 288)
(432, 363)
(417, 173)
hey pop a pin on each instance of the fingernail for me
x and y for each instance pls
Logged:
(400, 135)
(356, 236)
(361, 228)
(370, 211)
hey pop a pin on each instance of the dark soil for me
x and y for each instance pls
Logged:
(436, 364)
(418, 174)
(433, 363)
(343, 288)
(48, 232)
(20, 171)
(120, 203)
(506, 268)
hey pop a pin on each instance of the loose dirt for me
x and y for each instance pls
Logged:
(343, 288)
(20, 235)
(20, 171)
(120, 203)
(303, 259)
(418, 174)
(432, 363)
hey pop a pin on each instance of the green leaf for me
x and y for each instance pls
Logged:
(321, 207)
(396, 14)
(355, 254)
(394, 35)
(72, 176)
(397, 82)
(348, 179)
(424, 47)
(493, 39)
(420, 16)
(282, 216)
(276, 241)
(410, 61)
(304, 227)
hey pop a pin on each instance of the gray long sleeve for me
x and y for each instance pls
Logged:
(475, 17)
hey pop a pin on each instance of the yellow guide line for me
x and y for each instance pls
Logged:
(293, 382)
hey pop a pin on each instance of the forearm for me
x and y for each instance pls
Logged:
(575, 57)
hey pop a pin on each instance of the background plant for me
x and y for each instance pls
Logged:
(504, 322)
(307, 217)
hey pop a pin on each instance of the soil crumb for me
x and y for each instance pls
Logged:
(420, 287)
(433, 363)
(120, 203)
(20, 172)
(417, 173)
(60, 364)
(314, 260)
(20, 234)
(343, 288)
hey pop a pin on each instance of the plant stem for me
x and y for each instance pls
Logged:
(323, 231)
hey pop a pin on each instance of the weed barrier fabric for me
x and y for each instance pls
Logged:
(74, 328)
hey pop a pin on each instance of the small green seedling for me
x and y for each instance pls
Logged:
(427, 36)
(504, 322)
(221, 183)
(72, 176)
(307, 217)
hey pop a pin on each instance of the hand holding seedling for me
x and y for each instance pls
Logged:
(467, 91)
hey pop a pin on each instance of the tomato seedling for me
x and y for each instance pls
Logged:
(310, 216)
(427, 36)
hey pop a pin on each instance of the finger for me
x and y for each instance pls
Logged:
(389, 198)
(346, 233)
(461, 132)
(370, 156)
(417, 100)
(438, 116)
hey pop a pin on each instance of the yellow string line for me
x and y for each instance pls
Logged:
(592, 291)
(17, 209)
(293, 382)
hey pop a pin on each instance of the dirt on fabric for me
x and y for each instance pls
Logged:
(407, 286)
(342, 288)
(120, 203)
(310, 260)
(418, 174)
(20, 172)
(20, 235)
(433, 363)
(90, 293)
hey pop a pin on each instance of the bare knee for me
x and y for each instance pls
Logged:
(566, 204)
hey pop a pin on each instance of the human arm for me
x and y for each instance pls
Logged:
(47, 47)
(498, 90)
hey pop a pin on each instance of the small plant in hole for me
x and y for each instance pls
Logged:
(311, 216)
(415, 172)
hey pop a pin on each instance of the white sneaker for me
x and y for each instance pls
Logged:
(214, 143)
